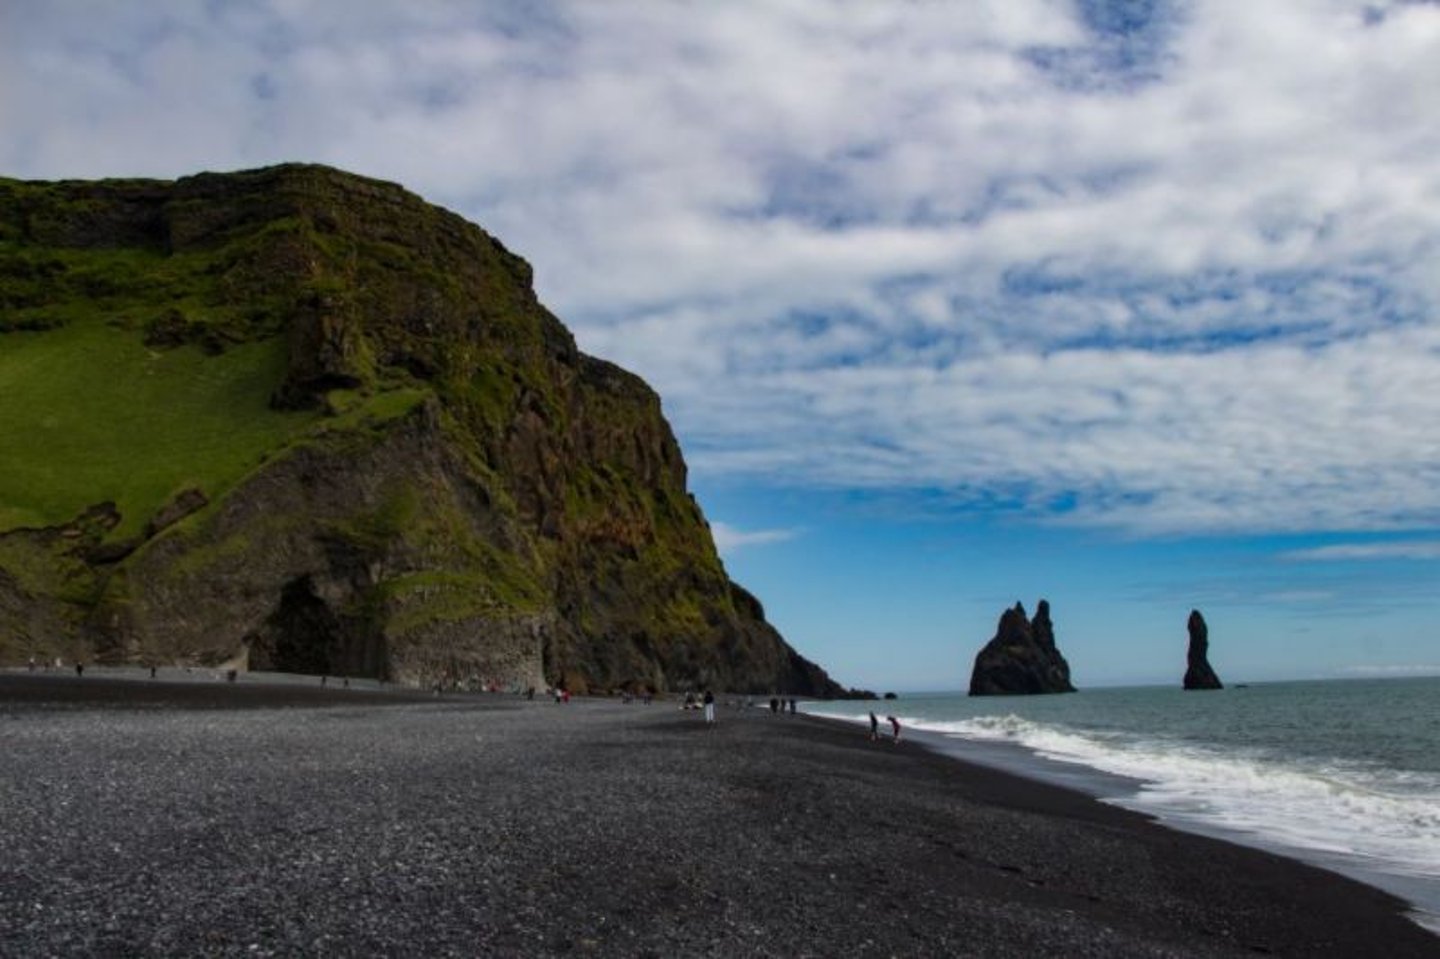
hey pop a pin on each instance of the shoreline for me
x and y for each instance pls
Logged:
(1421, 894)
(484, 824)
(1115, 790)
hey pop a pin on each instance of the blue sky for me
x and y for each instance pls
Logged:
(1128, 305)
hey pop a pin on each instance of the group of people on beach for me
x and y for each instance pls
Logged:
(778, 705)
(59, 664)
(705, 702)
(875, 728)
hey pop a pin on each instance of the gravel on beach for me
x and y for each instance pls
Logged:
(147, 819)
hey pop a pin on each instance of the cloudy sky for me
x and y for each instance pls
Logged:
(1131, 304)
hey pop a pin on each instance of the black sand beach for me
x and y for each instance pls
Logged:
(159, 819)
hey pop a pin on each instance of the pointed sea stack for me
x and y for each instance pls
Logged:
(1198, 674)
(1022, 659)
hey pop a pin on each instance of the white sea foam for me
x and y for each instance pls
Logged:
(1373, 817)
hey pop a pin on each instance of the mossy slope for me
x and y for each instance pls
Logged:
(307, 418)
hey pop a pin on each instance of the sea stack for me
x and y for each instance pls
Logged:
(1198, 674)
(1022, 659)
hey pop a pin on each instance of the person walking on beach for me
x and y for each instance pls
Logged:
(709, 707)
(874, 727)
(895, 725)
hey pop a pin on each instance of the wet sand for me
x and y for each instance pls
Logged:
(202, 818)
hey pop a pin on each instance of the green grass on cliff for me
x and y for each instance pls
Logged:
(88, 412)
(140, 346)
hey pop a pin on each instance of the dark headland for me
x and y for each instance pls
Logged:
(304, 421)
(327, 822)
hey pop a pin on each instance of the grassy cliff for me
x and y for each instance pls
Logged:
(306, 420)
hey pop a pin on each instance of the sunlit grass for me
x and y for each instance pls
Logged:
(88, 411)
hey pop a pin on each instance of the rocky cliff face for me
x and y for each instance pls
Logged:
(363, 447)
(1198, 674)
(1022, 658)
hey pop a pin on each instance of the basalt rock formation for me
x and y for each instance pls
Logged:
(1022, 658)
(301, 420)
(1198, 674)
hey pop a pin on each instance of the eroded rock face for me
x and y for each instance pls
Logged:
(1022, 658)
(463, 496)
(1198, 674)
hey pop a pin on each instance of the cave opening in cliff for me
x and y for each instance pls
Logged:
(304, 633)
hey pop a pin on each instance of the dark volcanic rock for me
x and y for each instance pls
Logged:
(1198, 674)
(1022, 658)
(186, 502)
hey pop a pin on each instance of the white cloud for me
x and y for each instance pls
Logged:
(1345, 552)
(729, 540)
(1179, 279)
(1389, 670)
(1302, 597)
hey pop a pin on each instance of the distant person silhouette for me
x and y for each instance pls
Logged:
(895, 725)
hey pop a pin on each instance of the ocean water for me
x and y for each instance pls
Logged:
(1342, 774)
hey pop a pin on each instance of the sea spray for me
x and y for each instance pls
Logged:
(1344, 774)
